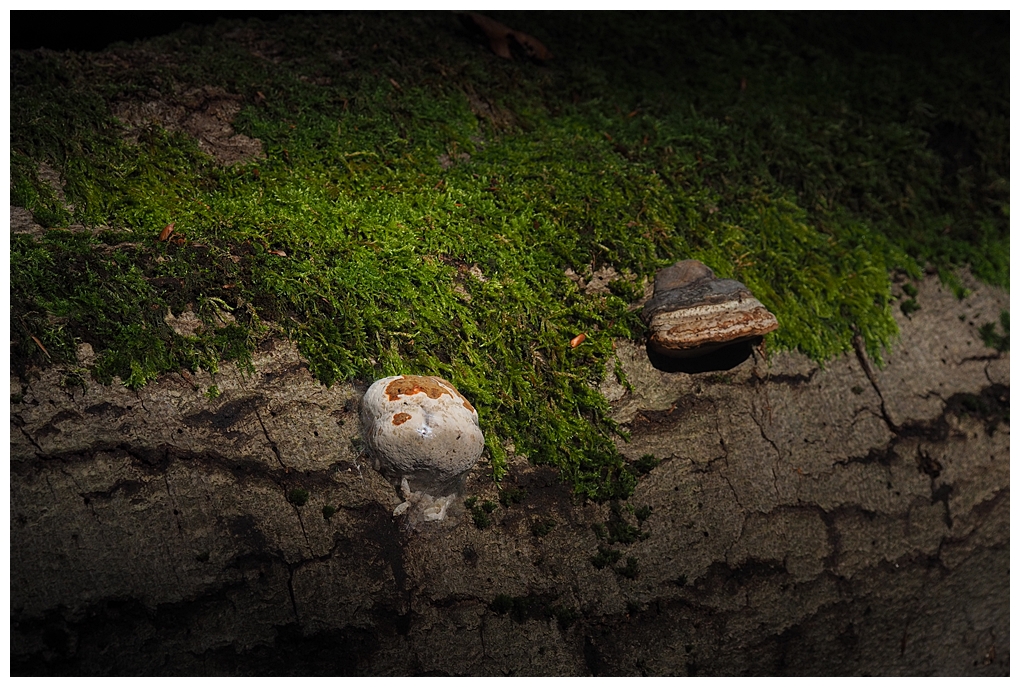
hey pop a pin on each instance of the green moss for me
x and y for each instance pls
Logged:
(643, 513)
(605, 557)
(509, 496)
(519, 608)
(502, 604)
(565, 616)
(628, 291)
(328, 512)
(837, 163)
(618, 530)
(542, 526)
(298, 496)
(909, 307)
(480, 512)
(973, 403)
(630, 570)
(481, 519)
(531, 607)
(994, 339)
(646, 463)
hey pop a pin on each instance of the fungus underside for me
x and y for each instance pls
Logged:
(401, 154)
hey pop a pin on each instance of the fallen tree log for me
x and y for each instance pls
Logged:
(790, 519)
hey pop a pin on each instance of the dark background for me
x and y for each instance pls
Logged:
(94, 30)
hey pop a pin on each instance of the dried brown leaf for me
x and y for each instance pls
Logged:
(167, 230)
(41, 347)
(500, 35)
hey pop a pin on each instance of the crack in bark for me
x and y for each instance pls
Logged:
(988, 376)
(979, 358)
(53, 492)
(301, 522)
(290, 591)
(869, 372)
(779, 454)
(791, 379)
(82, 493)
(170, 497)
(981, 511)
(933, 468)
(716, 579)
(726, 461)
(141, 401)
(322, 558)
(21, 428)
(481, 636)
(736, 540)
(155, 460)
(929, 394)
(989, 407)
(272, 444)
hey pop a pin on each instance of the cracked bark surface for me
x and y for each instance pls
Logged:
(845, 520)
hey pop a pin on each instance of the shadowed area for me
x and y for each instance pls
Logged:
(724, 358)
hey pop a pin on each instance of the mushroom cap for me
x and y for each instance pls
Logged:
(422, 429)
(693, 313)
(681, 274)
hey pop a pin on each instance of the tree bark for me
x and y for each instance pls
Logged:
(851, 519)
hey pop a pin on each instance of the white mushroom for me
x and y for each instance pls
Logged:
(421, 433)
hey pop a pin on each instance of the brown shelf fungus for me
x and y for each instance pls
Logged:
(698, 322)
(423, 435)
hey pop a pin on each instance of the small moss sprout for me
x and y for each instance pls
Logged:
(298, 496)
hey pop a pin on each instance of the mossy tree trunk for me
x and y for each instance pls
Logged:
(360, 183)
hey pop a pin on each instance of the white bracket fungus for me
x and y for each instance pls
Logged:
(423, 435)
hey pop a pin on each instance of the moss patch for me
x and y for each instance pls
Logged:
(419, 199)
(480, 512)
(298, 496)
(999, 340)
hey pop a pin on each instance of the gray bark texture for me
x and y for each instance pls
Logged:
(842, 520)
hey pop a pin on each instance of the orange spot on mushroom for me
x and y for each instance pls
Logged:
(409, 385)
(401, 418)
(433, 387)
